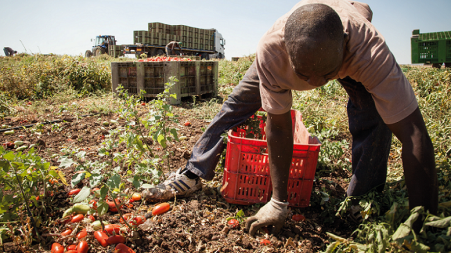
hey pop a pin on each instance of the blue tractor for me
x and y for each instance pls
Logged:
(100, 46)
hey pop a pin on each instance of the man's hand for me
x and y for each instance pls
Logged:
(273, 213)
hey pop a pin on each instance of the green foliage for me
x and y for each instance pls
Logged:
(231, 72)
(40, 76)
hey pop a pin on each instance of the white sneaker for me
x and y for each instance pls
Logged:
(182, 184)
(176, 184)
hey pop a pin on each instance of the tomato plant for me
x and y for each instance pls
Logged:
(160, 209)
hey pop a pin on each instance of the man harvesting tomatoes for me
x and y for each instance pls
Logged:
(315, 42)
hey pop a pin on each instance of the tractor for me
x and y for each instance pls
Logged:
(101, 45)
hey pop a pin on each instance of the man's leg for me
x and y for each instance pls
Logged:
(371, 140)
(240, 105)
(6, 51)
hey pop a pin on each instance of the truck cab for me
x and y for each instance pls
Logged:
(219, 46)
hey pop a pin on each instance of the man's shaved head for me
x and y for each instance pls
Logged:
(314, 39)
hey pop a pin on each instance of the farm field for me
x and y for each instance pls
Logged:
(63, 129)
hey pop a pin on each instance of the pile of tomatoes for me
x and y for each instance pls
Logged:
(109, 234)
(164, 58)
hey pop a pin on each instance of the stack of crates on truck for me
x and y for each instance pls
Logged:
(160, 34)
(115, 51)
(431, 48)
(195, 78)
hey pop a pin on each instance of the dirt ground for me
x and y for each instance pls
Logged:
(194, 224)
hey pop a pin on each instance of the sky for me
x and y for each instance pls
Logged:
(67, 27)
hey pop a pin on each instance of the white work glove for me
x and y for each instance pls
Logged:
(273, 213)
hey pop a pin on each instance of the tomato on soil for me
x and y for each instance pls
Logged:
(101, 238)
(94, 204)
(57, 248)
(160, 209)
(109, 228)
(82, 234)
(233, 223)
(72, 251)
(115, 239)
(72, 247)
(66, 232)
(122, 248)
(77, 218)
(82, 247)
(125, 217)
(298, 217)
(136, 197)
(265, 242)
(187, 123)
(91, 218)
(138, 220)
(74, 192)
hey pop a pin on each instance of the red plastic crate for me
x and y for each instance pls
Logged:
(247, 178)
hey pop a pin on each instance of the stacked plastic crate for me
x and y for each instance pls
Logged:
(161, 34)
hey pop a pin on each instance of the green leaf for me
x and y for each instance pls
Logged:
(82, 195)
(402, 231)
(95, 180)
(66, 162)
(103, 192)
(114, 182)
(102, 207)
(146, 186)
(174, 133)
(4, 165)
(76, 179)
(442, 223)
(9, 156)
(162, 140)
(136, 181)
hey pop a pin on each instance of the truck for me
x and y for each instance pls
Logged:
(431, 48)
(205, 43)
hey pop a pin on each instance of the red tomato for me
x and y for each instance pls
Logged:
(72, 251)
(94, 204)
(298, 217)
(72, 247)
(82, 234)
(233, 223)
(112, 206)
(37, 198)
(143, 104)
(265, 242)
(109, 228)
(115, 239)
(136, 197)
(82, 247)
(138, 220)
(125, 217)
(160, 209)
(122, 248)
(77, 218)
(91, 218)
(187, 123)
(66, 232)
(57, 248)
(101, 238)
(73, 192)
